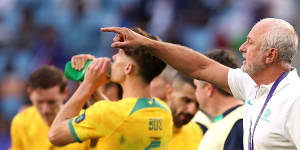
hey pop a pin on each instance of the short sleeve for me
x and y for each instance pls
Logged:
(97, 121)
(239, 82)
(292, 123)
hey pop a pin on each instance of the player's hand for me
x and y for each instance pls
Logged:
(78, 61)
(95, 74)
(125, 38)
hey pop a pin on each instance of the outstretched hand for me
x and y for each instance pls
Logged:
(125, 38)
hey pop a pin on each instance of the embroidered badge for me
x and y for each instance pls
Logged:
(80, 118)
(266, 115)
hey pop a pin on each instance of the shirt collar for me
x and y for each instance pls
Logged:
(286, 81)
(221, 116)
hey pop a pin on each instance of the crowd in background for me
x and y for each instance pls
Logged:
(34, 33)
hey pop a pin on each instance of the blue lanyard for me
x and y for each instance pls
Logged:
(274, 86)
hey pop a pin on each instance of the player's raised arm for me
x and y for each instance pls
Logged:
(95, 76)
(180, 57)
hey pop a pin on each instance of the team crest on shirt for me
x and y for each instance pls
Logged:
(266, 115)
(80, 118)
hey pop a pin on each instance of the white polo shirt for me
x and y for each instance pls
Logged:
(279, 124)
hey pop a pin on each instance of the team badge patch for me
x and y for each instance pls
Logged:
(80, 118)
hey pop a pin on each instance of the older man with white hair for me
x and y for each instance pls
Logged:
(267, 81)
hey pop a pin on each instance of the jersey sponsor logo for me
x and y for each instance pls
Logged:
(266, 115)
(80, 118)
(155, 124)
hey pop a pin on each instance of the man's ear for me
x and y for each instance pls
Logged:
(169, 91)
(129, 68)
(29, 91)
(271, 55)
(210, 89)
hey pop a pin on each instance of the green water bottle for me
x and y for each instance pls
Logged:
(76, 75)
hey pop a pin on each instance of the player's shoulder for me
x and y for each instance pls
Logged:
(121, 107)
(131, 105)
(126, 102)
(27, 115)
(152, 103)
(192, 127)
(150, 106)
(163, 103)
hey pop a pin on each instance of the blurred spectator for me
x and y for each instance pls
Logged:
(48, 49)
(79, 29)
(5, 36)
(12, 95)
(28, 31)
(4, 134)
(12, 98)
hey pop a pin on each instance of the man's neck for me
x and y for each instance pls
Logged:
(49, 122)
(269, 74)
(135, 87)
(221, 104)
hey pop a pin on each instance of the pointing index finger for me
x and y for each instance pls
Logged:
(112, 29)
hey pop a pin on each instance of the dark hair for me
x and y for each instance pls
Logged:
(149, 65)
(225, 57)
(47, 77)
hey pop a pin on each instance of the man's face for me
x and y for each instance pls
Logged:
(183, 104)
(158, 88)
(47, 101)
(200, 94)
(251, 50)
(118, 67)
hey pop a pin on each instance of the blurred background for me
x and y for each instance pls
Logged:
(34, 33)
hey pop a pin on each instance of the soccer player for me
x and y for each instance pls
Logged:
(47, 91)
(183, 104)
(135, 122)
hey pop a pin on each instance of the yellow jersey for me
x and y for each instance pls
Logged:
(30, 132)
(128, 124)
(186, 137)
